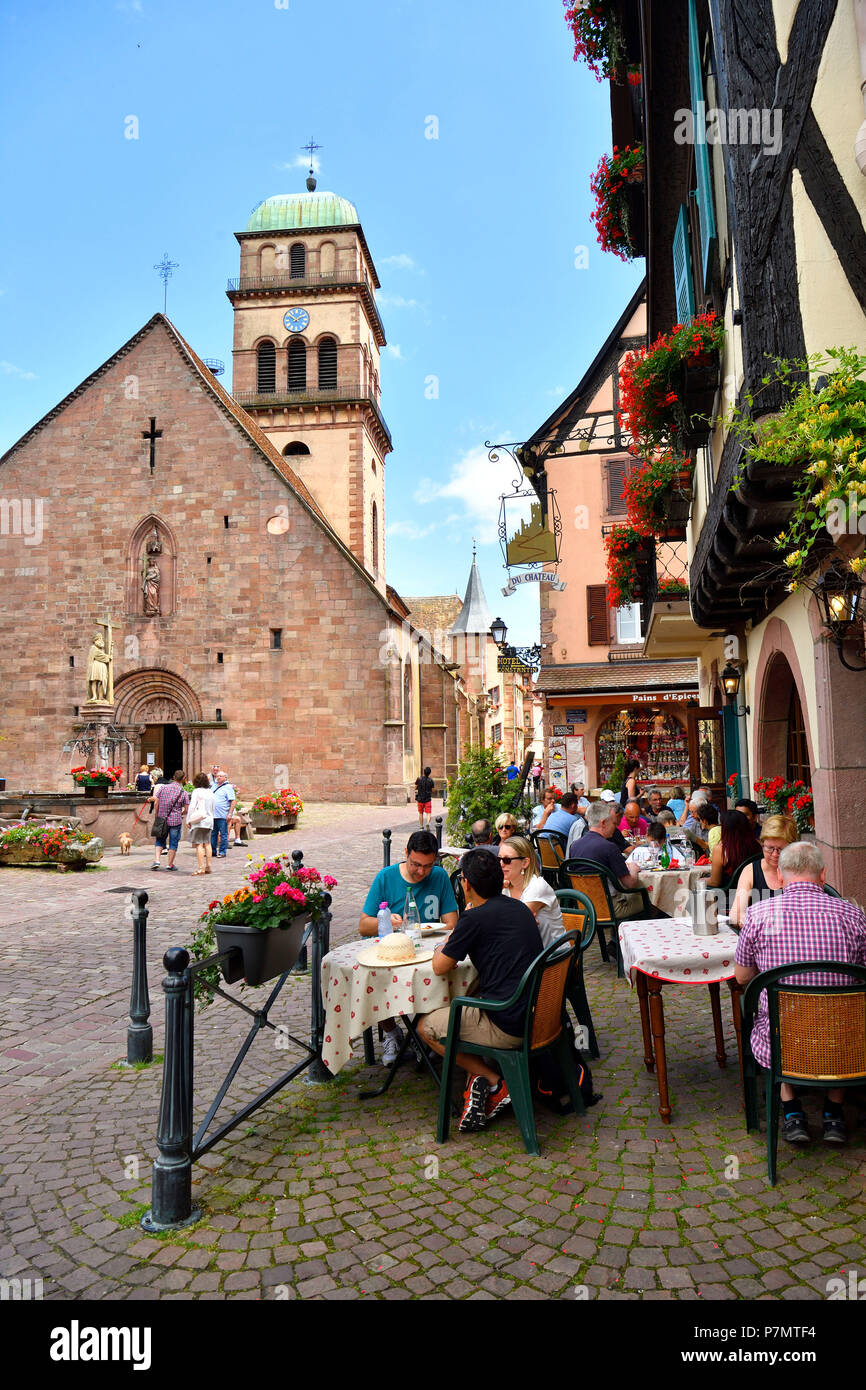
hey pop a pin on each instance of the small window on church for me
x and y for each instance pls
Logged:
(209, 558)
(297, 366)
(375, 530)
(296, 447)
(226, 522)
(328, 364)
(298, 261)
(266, 368)
(219, 659)
(75, 710)
(276, 639)
(219, 715)
(72, 661)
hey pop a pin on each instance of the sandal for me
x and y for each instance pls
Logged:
(196, 872)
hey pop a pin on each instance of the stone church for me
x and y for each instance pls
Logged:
(229, 547)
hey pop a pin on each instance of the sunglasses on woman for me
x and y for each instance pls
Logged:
(510, 859)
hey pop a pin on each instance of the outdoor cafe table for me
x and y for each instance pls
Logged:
(662, 951)
(668, 889)
(359, 996)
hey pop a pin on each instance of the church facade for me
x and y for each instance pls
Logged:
(237, 554)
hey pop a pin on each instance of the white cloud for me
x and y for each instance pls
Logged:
(410, 530)
(396, 301)
(9, 369)
(400, 262)
(302, 161)
(477, 484)
(393, 350)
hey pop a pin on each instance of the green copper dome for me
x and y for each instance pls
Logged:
(289, 210)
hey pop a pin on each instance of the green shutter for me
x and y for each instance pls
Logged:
(683, 283)
(706, 207)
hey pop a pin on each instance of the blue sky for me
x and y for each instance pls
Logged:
(473, 233)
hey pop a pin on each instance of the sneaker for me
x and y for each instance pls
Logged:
(155, 866)
(794, 1128)
(164, 851)
(391, 1046)
(474, 1113)
(497, 1100)
(835, 1130)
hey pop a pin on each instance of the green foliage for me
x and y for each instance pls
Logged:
(821, 435)
(614, 781)
(480, 791)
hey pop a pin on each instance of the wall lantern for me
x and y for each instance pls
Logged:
(839, 593)
(731, 677)
(498, 631)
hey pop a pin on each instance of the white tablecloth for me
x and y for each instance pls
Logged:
(357, 996)
(669, 888)
(669, 950)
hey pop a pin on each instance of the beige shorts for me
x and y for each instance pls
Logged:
(475, 1027)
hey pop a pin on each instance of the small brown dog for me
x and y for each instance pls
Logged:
(125, 843)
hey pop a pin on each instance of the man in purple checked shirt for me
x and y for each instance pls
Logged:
(802, 924)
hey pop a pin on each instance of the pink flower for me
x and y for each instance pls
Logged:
(258, 897)
(254, 878)
(329, 882)
(270, 868)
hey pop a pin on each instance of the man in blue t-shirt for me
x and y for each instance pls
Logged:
(512, 771)
(428, 884)
(562, 819)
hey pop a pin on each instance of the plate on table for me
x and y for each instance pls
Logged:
(434, 929)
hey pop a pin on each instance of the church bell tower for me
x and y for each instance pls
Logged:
(307, 337)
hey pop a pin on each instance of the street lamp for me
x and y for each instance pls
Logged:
(839, 592)
(498, 631)
(731, 677)
(530, 656)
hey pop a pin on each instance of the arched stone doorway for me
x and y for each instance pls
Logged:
(161, 716)
(783, 742)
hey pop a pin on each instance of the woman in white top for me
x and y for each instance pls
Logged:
(523, 881)
(199, 818)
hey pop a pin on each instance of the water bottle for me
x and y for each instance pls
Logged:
(383, 920)
(412, 921)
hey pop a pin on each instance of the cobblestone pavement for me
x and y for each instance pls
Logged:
(324, 1195)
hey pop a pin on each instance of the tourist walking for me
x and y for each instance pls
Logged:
(224, 798)
(424, 798)
(169, 801)
(199, 818)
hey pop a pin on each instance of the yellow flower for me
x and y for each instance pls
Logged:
(859, 565)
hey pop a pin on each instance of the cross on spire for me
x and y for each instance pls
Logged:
(311, 146)
(153, 434)
(165, 269)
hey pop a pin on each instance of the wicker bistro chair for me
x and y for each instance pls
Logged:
(544, 987)
(817, 1037)
(594, 880)
(550, 848)
(578, 914)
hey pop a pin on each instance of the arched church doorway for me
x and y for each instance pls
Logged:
(162, 746)
(783, 741)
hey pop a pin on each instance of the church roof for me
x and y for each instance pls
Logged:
(435, 612)
(290, 210)
(474, 616)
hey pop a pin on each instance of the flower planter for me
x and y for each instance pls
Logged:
(699, 384)
(71, 856)
(263, 954)
(263, 820)
(96, 791)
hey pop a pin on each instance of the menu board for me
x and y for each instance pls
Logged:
(575, 761)
(557, 764)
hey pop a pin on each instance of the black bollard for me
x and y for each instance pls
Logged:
(139, 1034)
(171, 1197)
(437, 821)
(301, 965)
(321, 940)
(386, 848)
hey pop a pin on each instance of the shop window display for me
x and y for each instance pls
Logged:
(656, 739)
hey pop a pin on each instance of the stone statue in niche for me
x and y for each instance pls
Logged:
(151, 580)
(154, 544)
(100, 672)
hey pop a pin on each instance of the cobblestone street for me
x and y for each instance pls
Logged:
(322, 1195)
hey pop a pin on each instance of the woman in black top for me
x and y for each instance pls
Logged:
(630, 785)
(763, 876)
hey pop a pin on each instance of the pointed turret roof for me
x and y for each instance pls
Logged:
(474, 616)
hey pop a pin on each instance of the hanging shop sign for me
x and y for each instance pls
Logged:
(575, 716)
(563, 730)
(513, 663)
(664, 697)
(534, 577)
(529, 533)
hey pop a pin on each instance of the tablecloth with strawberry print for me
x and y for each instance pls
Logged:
(668, 949)
(668, 889)
(358, 996)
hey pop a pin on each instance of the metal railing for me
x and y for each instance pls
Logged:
(314, 395)
(668, 562)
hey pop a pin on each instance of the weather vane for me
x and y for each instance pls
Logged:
(165, 270)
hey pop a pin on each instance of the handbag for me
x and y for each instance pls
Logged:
(159, 829)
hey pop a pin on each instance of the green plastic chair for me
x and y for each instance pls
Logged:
(543, 989)
(831, 891)
(817, 1038)
(578, 914)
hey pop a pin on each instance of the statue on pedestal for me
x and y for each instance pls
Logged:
(100, 669)
(150, 583)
